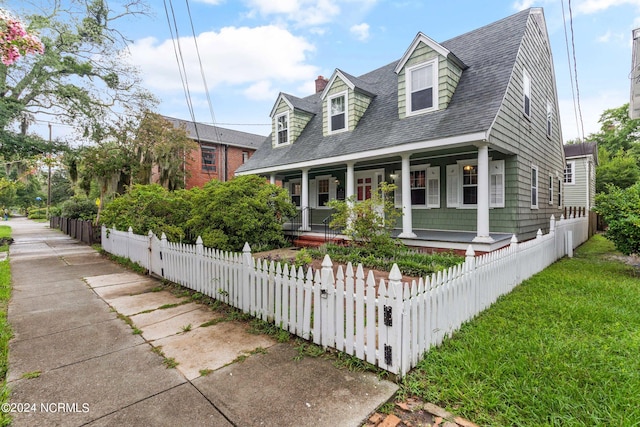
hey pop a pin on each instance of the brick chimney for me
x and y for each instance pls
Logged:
(321, 83)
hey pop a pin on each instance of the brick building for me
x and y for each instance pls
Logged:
(221, 151)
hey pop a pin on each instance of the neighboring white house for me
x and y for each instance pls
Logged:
(580, 175)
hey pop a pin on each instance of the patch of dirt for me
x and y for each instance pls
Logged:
(632, 260)
(416, 413)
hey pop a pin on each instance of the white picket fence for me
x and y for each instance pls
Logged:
(389, 324)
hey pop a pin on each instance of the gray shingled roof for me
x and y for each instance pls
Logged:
(489, 52)
(215, 134)
(583, 149)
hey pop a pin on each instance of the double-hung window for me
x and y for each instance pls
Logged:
(549, 119)
(470, 185)
(282, 128)
(337, 113)
(569, 172)
(208, 158)
(323, 191)
(551, 189)
(295, 188)
(418, 187)
(534, 187)
(526, 87)
(425, 186)
(462, 184)
(421, 88)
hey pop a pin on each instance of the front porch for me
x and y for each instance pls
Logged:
(427, 240)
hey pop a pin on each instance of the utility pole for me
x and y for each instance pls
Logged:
(49, 178)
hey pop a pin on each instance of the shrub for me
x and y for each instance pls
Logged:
(150, 207)
(79, 208)
(245, 209)
(38, 213)
(368, 222)
(621, 211)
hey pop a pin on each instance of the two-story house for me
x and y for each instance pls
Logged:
(219, 153)
(468, 129)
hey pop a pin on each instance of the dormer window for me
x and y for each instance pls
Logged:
(282, 124)
(420, 88)
(337, 112)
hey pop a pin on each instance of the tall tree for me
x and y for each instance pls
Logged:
(618, 131)
(82, 76)
(160, 145)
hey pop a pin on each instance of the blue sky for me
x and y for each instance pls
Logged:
(253, 49)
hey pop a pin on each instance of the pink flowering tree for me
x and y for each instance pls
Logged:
(15, 41)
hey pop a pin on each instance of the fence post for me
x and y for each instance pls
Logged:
(163, 245)
(393, 353)
(326, 275)
(150, 257)
(514, 246)
(129, 239)
(569, 242)
(470, 269)
(247, 264)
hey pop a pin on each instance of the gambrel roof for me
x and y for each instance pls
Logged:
(488, 55)
(217, 135)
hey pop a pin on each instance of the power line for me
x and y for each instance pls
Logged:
(177, 49)
(204, 80)
(576, 94)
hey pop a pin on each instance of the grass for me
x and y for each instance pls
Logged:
(5, 329)
(561, 349)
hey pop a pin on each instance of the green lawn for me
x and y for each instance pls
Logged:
(562, 349)
(5, 329)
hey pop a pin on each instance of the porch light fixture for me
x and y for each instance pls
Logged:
(467, 167)
(394, 176)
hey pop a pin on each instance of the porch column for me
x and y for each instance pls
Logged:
(407, 220)
(482, 225)
(351, 180)
(272, 179)
(304, 200)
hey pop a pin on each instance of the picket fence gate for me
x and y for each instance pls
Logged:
(388, 323)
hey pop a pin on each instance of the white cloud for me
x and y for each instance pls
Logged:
(301, 12)
(611, 37)
(523, 4)
(360, 31)
(234, 56)
(261, 91)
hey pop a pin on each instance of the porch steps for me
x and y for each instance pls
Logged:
(314, 241)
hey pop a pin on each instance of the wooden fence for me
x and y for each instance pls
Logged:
(387, 323)
(79, 229)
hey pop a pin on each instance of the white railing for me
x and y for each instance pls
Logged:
(389, 324)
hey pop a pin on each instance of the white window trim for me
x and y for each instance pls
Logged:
(346, 112)
(461, 165)
(398, 191)
(277, 139)
(560, 197)
(536, 187)
(499, 166)
(551, 185)
(376, 175)
(408, 91)
(332, 190)
(526, 92)
(493, 164)
(291, 183)
(549, 122)
(573, 173)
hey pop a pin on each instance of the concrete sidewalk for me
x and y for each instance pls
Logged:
(75, 362)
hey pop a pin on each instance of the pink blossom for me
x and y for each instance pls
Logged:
(15, 41)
